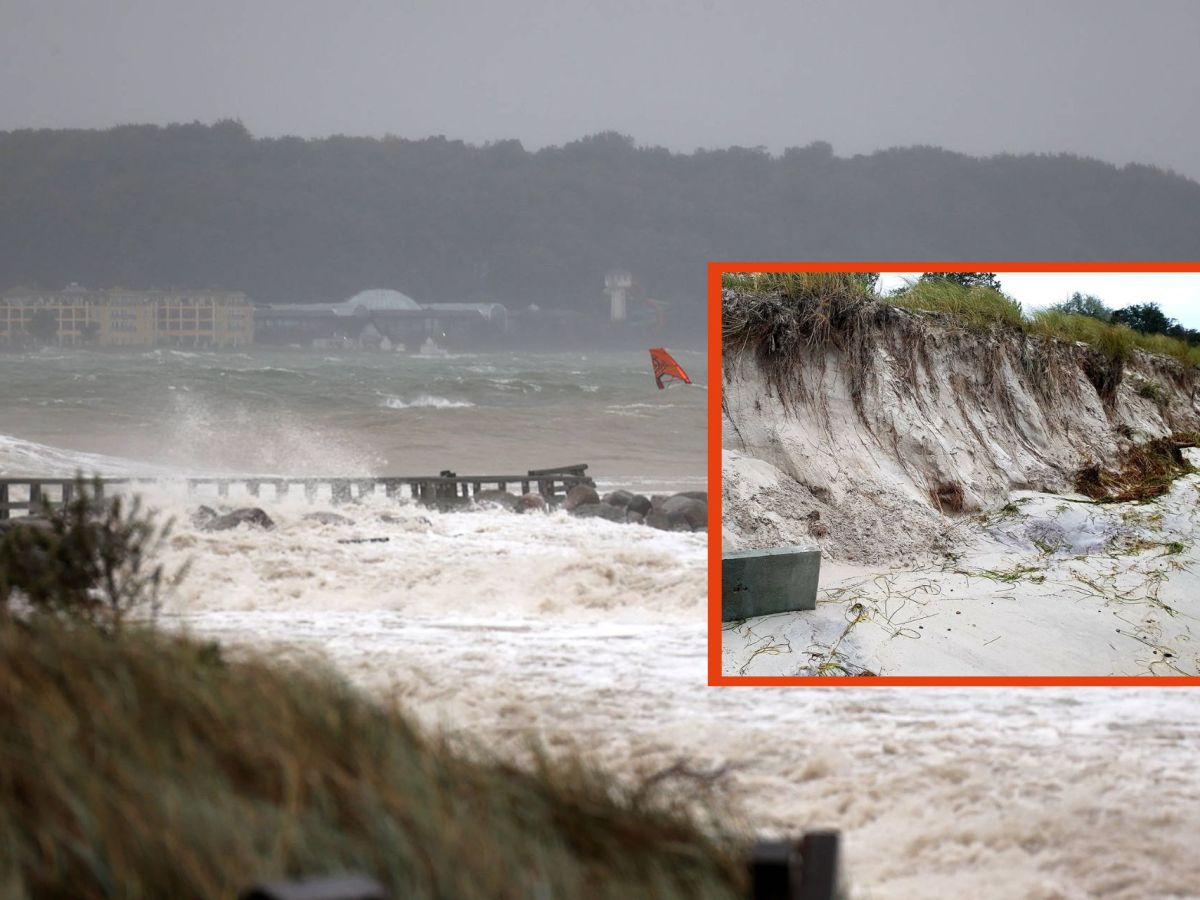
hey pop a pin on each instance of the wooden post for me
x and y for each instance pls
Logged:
(819, 852)
(222, 488)
(310, 490)
(35, 497)
(4, 500)
(340, 490)
(252, 488)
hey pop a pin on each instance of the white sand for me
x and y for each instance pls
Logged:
(1048, 585)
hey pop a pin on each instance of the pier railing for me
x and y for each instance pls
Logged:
(31, 495)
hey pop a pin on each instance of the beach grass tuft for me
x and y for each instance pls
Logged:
(139, 765)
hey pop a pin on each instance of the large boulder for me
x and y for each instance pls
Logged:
(618, 498)
(580, 495)
(529, 502)
(502, 499)
(656, 518)
(203, 516)
(639, 504)
(599, 511)
(679, 512)
(251, 516)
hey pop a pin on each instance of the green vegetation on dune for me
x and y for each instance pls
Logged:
(974, 304)
(977, 306)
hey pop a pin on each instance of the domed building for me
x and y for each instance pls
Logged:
(375, 300)
(381, 317)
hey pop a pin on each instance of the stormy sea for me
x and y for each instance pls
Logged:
(591, 634)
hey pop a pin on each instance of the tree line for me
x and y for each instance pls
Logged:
(289, 219)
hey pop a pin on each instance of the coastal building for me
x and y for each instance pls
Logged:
(380, 318)
(76, 317)
(617, 285)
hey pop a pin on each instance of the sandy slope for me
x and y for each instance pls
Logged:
(1042, 585)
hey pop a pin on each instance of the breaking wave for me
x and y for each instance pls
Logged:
(22, 457)
(426, 401)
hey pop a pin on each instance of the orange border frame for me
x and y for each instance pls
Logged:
(715, 270)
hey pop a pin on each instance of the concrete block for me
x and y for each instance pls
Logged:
(763, 582)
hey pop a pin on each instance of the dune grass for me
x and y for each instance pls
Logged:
(137, 765)
(975, 307)
(779, 318)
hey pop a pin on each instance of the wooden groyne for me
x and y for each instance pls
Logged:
(30, 495)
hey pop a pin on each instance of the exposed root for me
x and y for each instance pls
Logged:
(947, 497)
(1144, 471)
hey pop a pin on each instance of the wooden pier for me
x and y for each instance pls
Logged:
(32, 495)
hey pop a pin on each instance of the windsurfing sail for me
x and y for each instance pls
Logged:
(666, 367)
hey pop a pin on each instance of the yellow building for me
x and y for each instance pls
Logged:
(77, 317)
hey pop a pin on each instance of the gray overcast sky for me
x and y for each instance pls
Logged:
(1116, 80)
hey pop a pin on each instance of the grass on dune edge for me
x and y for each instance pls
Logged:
(975, 307)
(139, 765)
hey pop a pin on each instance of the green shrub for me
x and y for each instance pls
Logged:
(93, 560)
(1151, 390)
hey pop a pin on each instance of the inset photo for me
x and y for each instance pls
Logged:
(936, 475)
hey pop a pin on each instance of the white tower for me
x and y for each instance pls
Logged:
(617, 284)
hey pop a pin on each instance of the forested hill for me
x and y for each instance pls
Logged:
(293, 219)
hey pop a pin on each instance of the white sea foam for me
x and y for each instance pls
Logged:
(19, 457)
(592, 634)
(426, 401)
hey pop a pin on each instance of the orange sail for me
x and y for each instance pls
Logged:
(666, 367)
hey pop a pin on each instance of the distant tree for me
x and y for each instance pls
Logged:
(966, 279)
(869, 280)
(315, 220)
(43, 325)
(1085, 305)
(1144, 317)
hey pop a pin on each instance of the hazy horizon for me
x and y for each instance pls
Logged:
(976, 78)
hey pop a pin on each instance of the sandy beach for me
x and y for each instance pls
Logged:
(1042, 585)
